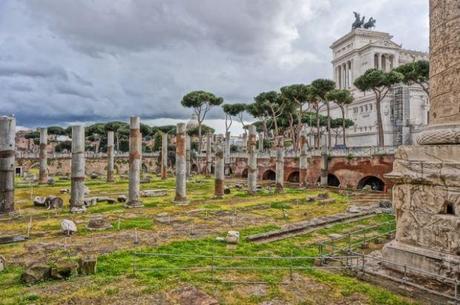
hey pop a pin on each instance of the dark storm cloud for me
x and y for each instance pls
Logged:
(66, 60)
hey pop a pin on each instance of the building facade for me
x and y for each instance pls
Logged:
(404, 110)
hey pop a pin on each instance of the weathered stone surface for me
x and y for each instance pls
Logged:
(53, 202)
(2, 263)
(63, 269)
(122, 198)
(154, 193)
(427, 205)
(68, 227)
(39, 201)
(87, 265)
(98, 223)
(233, 237)
(35, 273)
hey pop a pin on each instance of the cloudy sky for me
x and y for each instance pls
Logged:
(65, 61)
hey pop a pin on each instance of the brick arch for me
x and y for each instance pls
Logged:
(294, 177)
(269, 174)
(376, 183)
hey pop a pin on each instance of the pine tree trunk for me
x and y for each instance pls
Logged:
(343, 126)
(381, 141)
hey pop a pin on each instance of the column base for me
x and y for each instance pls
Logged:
(181, 202)
(78, 210)
(134, 205)
(398, 255)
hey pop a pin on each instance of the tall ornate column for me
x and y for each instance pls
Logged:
(426, 196)
(7, 162)
(279, 164)
(43, 155)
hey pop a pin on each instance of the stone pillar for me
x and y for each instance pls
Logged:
(324, 165)
(252, 160)
(77, 179)
(135, 163)
(303, 160)
(181, 166)
(261, 141)
(43, 156)
(110, 157)
(245, 142)
(188, 155)
(208, 154)
(164, 155)
(227, 153)
(7, 163)
(279, 164)
(219, 169)
(426, 195)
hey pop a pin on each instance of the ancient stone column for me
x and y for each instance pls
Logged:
(77, 179)
(261, 141)
(444, 127)
(110, 157)
(7, 163)
(279, 164)
(252, 160)
(219, 169)
(135, 163)
(426, 195)
(324, 166)
(227, 153)
(181, 166)
(208, 154)
(43, 156)
(164, 155)
(303, 160)
(188, 155)
(245, 142)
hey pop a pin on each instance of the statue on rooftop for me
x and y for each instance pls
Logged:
(370, 24)
(360, 22)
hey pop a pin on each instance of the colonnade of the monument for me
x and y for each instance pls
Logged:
(183, 162)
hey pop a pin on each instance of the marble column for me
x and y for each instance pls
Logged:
(261, 142)
(43, 156)
(279, 164)
(181, 166)
(164, 155)
(110, 156)
(77, 179)
(188, 155)
(324, 165)
(252, 160)
(303, 160)
(426, 195)
(245, 142)
(7, 163)
(135, 163)
(219, 169)
(208, 154)
(227, 153)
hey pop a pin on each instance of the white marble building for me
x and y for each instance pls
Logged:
(404, 110)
